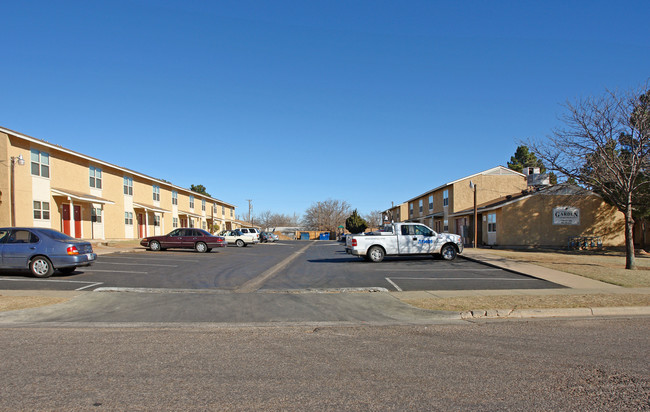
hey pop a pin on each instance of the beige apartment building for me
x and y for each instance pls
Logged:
(512, 212)
(46, 185)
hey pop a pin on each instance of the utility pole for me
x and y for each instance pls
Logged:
(250, 210)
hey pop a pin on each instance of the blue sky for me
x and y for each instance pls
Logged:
(291, 102)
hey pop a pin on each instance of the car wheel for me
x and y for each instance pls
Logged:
(240, 243)
(154, 245)
(41, 267)
(67, 270)
(448, 252)
(201, 247)
(376, 254)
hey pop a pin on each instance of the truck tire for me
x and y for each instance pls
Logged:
(375, 254)
(448, 252)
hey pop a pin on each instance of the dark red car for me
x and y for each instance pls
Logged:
(185, 238)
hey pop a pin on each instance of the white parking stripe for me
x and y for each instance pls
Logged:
(90, 286)
(394, 285)
(457, 278)
(113, 271)
(137, 264)
(438, 270)
(104, 257)
(45, 280)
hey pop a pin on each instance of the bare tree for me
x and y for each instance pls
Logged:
(327, 215)
(268, 220)
(605, 146)
(373, 218)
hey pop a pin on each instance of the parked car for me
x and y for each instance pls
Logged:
(400, 239)
(185, 238)
(237, 237)
(265, 237)
(275, 237)
(43, 251)
(251, 231)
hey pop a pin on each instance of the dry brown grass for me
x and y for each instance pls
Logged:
(605, 266)
(27, 302)
(465, 303)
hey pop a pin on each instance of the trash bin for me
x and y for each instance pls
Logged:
(304, 235)
(324, 236)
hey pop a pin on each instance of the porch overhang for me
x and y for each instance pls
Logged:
(80, 197)
(150, 208)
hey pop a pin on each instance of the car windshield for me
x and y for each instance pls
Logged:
(55, 234)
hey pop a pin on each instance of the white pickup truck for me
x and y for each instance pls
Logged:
(403, 239)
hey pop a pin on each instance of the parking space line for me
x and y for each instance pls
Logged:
(104, 257)
(90, 286)
(46, 280)
(457, 278)
(137, 264)
(440, 270)
(394, 285)
(113, 271)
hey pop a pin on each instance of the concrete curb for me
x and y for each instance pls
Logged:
(555, 313)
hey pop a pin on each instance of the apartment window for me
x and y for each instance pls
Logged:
(232, 212)
(204, 226)
(128, 186)
(96, 214)
(445, 226)
(191, 203)
(41, 210)
(492, 222)
(223, 210)
(40, 163)
(174, 197)
(128, 218)
(445, 198)
(175, 222)
(421, 201)
(431, 203)
(156, 220)
(203, 204)
(191, 222)
(95, 177)
(156, 193)
(410, 209)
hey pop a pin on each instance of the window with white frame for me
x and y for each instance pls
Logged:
(95, 177)
(175, 222)
(174, 197)
(191, 202)
(205, 226)
(232, 212)
(96, 214)
(128, 218)
(492, 222)
(40, 163)
(430, 202)
(410, 209)
(191, 222)
(156, 193)
(420, 205)
(128, 186)
(223, 210)
(203, 205)
(445, 198)
(445, 226)
(41, 210)
(156, 220)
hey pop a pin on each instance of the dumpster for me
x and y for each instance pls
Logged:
(324, 236)
(304, 235)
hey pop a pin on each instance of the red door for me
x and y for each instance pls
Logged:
(141, 225)
(65, 215)
(77, 222)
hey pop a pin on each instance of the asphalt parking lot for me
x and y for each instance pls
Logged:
(283, 266)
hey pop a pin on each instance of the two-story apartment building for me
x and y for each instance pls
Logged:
(437, 207)
(46, 185)
(512, 212)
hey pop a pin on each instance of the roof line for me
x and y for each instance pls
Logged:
(102, 162)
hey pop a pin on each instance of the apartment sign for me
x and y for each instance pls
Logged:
(566, 216)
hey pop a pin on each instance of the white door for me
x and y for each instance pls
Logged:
(492, 229)
(416, 239)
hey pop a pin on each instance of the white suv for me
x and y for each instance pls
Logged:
(251, 231)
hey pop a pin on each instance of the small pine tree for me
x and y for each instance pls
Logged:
(355, 223)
